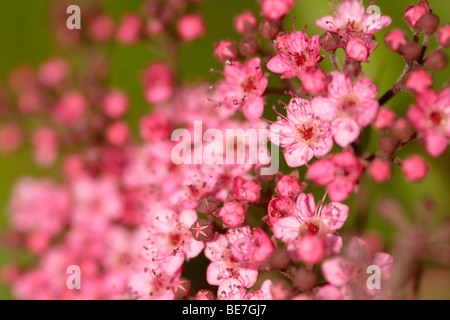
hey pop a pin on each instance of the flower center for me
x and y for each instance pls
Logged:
(313, 228)
(436, 118)
(305, 132)
(248, 85)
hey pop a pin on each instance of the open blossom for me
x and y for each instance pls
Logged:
(349, 272)
(317, 223)
(243, 86)
(301, 134)
(224, 265)
(348, 106)
(431, 117)
(295, 51)
(339, 172)
(351, 18)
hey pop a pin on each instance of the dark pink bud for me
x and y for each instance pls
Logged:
(45, 143)
(387, 145)
(414, 13)
(269, 28)
(248, 46)
(428, 23)
(205, 295)
(385, 118)
(118, 133)
(395, 39)
(289, 185)
(415, 168)
(101, 28)
(115, 103)
(158, 81)
(305, 279)
(207, 204)
(154, 127)
(245, 23)
(401, 129)
(226, 50)
(380, 170)
(10, 138)
(310, 249)
(275, 9)
(436, 60)
(181, 287)
(191, 26)
(410, 51)
(329, 41)
(352, 68)
(202, 230)
(53, 71)
(443, 35)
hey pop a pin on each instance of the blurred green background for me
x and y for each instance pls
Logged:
(26, 38)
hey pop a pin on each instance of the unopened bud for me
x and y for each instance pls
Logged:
(401, 129)
(226, 50)
(248, 46)
(428, 23)
(202, 230)
(437, 60)
(385, 118)
(181, 287)
(443, 35)
(415, 168)
(269, 28)
(380, 170)
(387, 145)
(305, 279)
(205, 295)
(245, 23)
(395, 39)
(329, 41)
(352, 68)
(410, 51)
(207, 204)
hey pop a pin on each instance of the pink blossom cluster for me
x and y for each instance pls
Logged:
(136, 222)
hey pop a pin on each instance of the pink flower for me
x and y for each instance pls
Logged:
(71, 107)
(443, 35)
(431, 117)
(53, 71)
(101, 27)
(314, 80)
(224, 266)
(301, 134)
(243, 87)
(246, 190)
(191, 26)
(45, 143)
(245, 22)
(294, 53)
(307, 219)
(289, 185)
(278, 208)
(275, 9)
(348, 106)
(340, 172)
(252, 249)
(154, 126)
(118, 133)
(350, 271)
(380, 170)
(415, 168)
(158, 81)
(351, 18)
(232, 213)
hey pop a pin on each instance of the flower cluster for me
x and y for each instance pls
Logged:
(133, 203)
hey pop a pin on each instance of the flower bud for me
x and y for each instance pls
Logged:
(232, 213)
(410, 51)
(101, 28)
(118, 133)
(414, 13)
(401, 129)
(428, 23)
(207, 204)
(329, 41)
(202, 230)
(357, 49)
(275, 9)
(226, 50)
(443, 35)
(436, 60)
(115, 103)
(387, 146)
(395, 39)
(305, 279)
(352, 68)
(181, 287)
(289, 185)
(245, 23)
(385, 118)
(246, 190)
(415, 168)
(419, 80)
(248, 46)
(205, 295)
(314, 80)
(380, 170)
(310, 249)
(130, 29)
(10, 138)
(269, 28)
(191, 26)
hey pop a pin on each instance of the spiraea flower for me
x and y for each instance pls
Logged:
(347, 106)
(301, 134)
